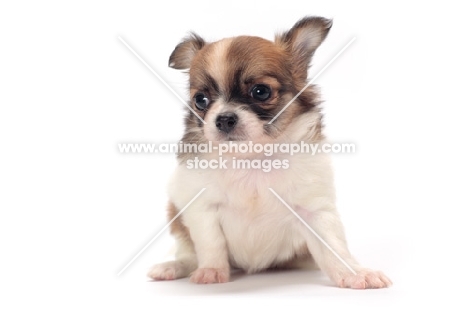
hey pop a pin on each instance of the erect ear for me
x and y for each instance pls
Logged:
(303, 39)
(182, 56)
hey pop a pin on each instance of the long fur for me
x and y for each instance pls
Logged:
(238, 222)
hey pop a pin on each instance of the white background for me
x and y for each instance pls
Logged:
(74, 211)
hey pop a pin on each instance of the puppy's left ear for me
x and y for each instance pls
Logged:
(181, 57)
(302, 40)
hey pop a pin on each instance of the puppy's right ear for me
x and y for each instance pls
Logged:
(182, 56)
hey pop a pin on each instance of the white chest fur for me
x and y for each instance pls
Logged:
(259, 230)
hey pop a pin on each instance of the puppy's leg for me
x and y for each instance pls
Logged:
(210, 244)
(185, 263)
(186, 260)
(326, 223)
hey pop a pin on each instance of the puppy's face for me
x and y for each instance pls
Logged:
(238, 85)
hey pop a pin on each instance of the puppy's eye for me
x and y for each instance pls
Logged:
(260, 92)
(201, 101)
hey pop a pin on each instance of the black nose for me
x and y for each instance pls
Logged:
(225, 122)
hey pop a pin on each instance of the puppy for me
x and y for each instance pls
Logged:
(237, 87)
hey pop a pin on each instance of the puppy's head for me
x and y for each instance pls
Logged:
(238, 85)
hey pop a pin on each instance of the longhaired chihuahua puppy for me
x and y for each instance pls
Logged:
(237, 87)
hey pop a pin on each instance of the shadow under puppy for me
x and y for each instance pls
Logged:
(237, 86)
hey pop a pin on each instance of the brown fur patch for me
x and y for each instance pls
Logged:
(177, 228)
(252, 58)
(184, 52)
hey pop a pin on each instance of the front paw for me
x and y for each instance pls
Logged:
(210, 275)
(170, 270)
(365, 279)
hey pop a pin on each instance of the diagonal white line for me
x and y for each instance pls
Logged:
(159, 233)
(313, 231)
(160, 79)
(313, 79)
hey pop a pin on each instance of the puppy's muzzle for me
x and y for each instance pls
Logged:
(225, 122)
